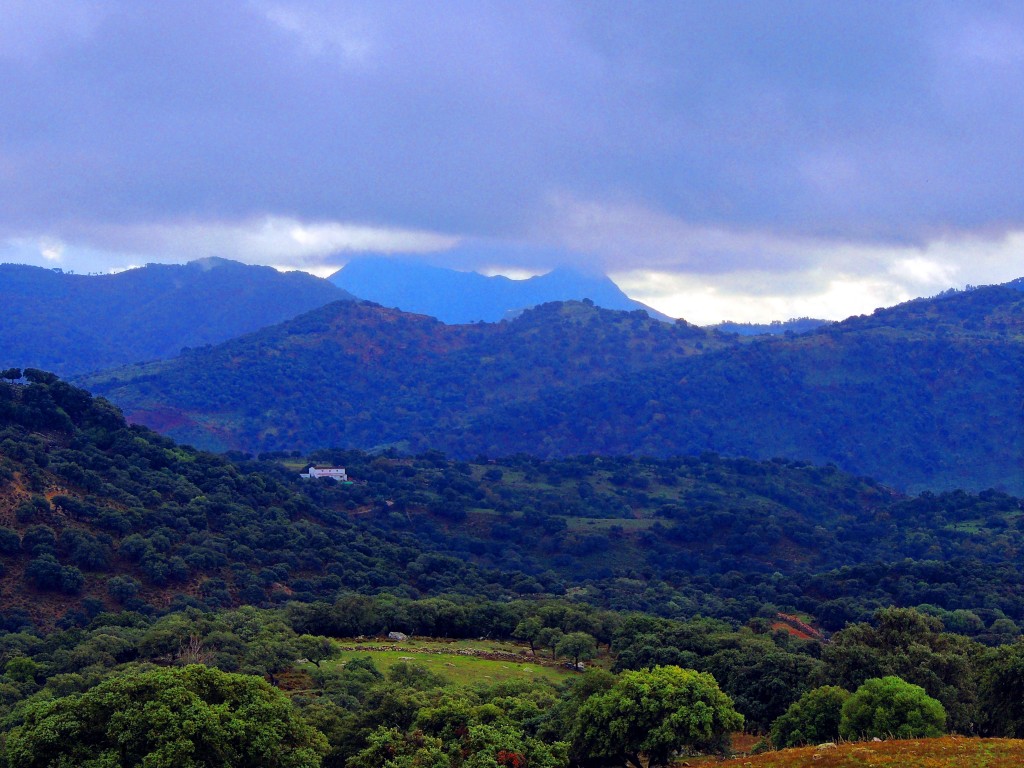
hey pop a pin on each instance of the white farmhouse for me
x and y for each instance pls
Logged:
(334, 473)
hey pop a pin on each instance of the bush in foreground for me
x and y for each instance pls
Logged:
(812, 719)
(655, 712)
(191, 717)
(887, 707)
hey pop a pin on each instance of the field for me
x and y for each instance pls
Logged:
(947, 752)
(460, 662)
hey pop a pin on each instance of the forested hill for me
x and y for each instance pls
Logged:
(71, 323)
(924, 395)
(361, 375)
(96, 515)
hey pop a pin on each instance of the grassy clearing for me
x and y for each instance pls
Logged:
(435, 645)
(444, 658)
(947, 752)
(460, 670)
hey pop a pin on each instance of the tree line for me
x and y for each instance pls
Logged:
(269, 692)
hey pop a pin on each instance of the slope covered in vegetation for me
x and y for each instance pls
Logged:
(94, 513)
(92, 509)
(72, 324)
(125, 554)
(922, 396)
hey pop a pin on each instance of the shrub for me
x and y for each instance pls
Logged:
(891, 707)
(812, 719)
(10, 542)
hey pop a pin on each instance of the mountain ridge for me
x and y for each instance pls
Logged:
(72, 323)
(922, 396)
(457, 297)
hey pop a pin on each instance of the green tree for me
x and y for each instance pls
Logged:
(1002, 693)
(391, 748)
(560, 718)
(654, 712)
(891, 707)
(761, 678)
(577, 646)
(549, 637)
(529, 630)
(504, 745)
(22, 669)
(270, 655)
(123, 588)
(912, 646)
(812, 719)
(190, 717)
(316, 648)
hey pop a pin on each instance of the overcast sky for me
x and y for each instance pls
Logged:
(720, 160)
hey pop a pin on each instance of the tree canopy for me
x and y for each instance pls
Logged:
(812, 719)
(654, 712)
(190, 717)
(889, 707)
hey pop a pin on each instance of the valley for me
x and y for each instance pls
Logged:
(519, 497)
(511, 385)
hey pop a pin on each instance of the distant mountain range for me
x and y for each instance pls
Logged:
(71, 324)
(467, 297)
(925, 395)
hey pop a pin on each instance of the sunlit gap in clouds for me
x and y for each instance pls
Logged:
(845, 279)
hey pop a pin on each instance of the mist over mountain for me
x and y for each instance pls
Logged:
(923, 395)
(70, 323)
(456, 297)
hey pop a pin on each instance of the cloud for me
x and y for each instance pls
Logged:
(286, 243)
(706, 303)
(919, 270)
(887, 123)
(318, 34)
(269, 240)
(834, 280)
(624, 235)
(780, 149)
(51, 250)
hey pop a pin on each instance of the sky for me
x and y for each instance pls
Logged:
(744, 160)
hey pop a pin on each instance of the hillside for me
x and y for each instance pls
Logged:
(72, 324)
(94, 512)
(468, 297)
(709, 535)
(92, 509)
(740, 567)
(360, 375)
(925, 395)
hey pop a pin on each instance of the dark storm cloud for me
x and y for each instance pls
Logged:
(846, 121)
(828, 118)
